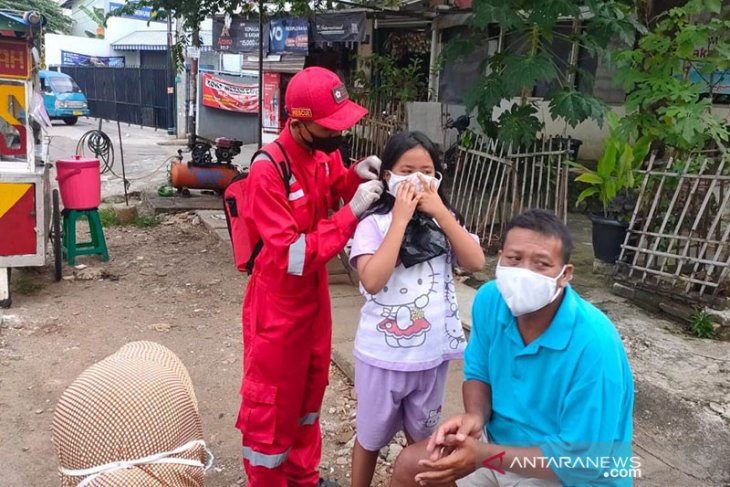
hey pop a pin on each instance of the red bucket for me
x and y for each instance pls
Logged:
(79, 181)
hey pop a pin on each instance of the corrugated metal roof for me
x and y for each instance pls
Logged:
(12, 23)
(154, 40)
(286, 63)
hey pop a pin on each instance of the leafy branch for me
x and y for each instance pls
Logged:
(662, 100)
(533, 26)
(56, 21)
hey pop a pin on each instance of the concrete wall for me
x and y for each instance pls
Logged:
(55, 43)
(117, 27)
(426, 117)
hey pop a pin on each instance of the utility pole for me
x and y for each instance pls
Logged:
(261, 73)
(170, 80)
(193, 108)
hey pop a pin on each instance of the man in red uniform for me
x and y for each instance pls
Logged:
(287, 323)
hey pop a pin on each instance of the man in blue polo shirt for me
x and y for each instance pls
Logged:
(548, 392)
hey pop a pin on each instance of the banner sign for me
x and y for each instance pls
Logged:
(141, 13)
(289, 35)
(14, 59)
(234, 97)
(69, 58)
(720, 81)
(339, 27)
(235, 34)
(272, 102)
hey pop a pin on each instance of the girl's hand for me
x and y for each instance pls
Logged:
(406, 200)
(430, 202)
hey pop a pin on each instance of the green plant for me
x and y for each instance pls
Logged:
(407, 83)
(613, 179)
(700, 324)
(26, 287)
(663, 101)
(144, 221)
(532, 28)
(109, 217)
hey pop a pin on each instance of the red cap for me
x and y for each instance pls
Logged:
(318, 94)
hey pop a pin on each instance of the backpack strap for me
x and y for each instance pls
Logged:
(284, 168)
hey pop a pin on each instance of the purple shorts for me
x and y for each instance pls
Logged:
(389, 401)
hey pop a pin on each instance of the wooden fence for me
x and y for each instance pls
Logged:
(494, 182)
(385, 117)
(677, 243)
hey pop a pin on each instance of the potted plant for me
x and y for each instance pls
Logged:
(613, 185)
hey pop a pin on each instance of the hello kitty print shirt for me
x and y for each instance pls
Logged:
(413, 323)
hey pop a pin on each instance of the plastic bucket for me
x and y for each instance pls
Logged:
(79, 182)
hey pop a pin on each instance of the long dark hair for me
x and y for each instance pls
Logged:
(397, 145)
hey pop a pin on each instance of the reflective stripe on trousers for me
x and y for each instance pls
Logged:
(257, 459)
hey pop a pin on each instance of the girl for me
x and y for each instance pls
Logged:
(409, 326)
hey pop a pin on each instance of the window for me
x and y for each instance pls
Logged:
(63, 85)
(458, 76)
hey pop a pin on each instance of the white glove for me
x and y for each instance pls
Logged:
(368, 168)
(366, 194)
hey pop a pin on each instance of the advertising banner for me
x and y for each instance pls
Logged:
(14, 59)
(69, 58)
(235, 34)
(339, 27)
(234, 97)
(289, 35)
(272, 102)
(141, 13)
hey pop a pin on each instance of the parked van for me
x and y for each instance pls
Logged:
(63, 97)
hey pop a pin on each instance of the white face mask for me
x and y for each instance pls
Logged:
(395, 180)
(526, 291)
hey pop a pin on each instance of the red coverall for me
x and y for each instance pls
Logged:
(287, 321)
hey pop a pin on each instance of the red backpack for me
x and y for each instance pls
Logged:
(245, 239)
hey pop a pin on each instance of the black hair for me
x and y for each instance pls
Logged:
(545, 223)
(397, 145)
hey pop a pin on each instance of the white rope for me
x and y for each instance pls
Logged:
(91, 473)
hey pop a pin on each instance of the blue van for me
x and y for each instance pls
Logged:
(63, 97)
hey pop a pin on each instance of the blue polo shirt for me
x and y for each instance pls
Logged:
(569, 392)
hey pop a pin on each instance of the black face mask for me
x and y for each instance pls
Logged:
(325, 144)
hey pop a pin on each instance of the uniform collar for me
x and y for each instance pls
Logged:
(297, 153)
(557, 335)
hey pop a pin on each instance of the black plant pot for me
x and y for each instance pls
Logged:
(608, 235)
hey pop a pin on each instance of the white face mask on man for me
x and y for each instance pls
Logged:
(396, 179)
(526, 291)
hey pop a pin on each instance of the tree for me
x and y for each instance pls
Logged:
(666, 73)
(531, 27)
(96, 15)
(56, 21)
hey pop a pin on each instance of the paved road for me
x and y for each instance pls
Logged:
(146, 151)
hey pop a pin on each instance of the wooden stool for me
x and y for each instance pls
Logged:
(72, 249)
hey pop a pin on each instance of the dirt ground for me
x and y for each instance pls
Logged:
(173, 284)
